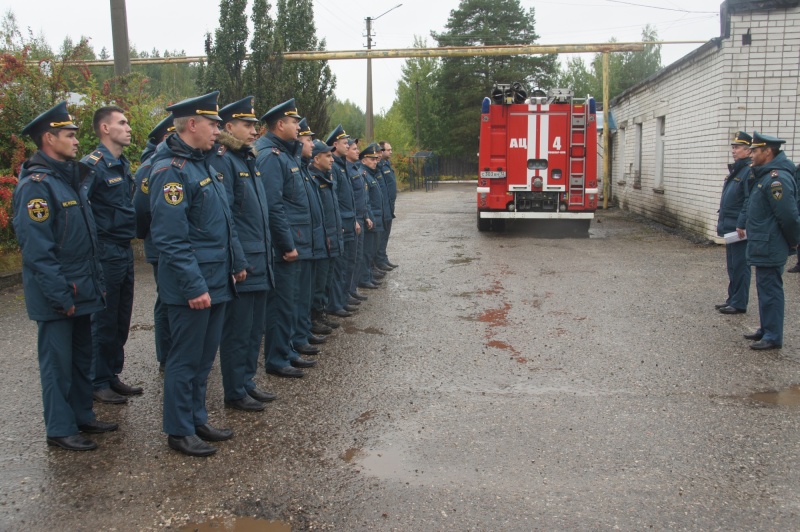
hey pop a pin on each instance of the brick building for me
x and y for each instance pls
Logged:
(671, 146)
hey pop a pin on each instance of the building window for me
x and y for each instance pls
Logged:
(637, 156)
(660, 131)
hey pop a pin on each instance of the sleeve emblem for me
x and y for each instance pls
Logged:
(777, 193)
(173, 193)
(145, 186)
(38, 210)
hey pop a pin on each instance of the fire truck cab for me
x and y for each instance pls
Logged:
(537, 157)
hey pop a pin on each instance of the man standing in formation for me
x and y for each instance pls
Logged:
(61, 274)
(732, 216)
(390, 182)
(772, 228)
(111, 198)
(369, 157)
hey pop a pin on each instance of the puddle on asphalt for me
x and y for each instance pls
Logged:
(350, 329)
(789, 397)
(383, 464)
(465, 260)
(238, 524)
(351, 454)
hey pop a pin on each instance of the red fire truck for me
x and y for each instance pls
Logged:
(537, 158)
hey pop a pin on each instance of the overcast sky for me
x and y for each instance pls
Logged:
(182, 24)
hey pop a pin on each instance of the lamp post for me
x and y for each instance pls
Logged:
(370, 133)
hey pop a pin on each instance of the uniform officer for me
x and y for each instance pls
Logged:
(290, 227)
(316, 266)
(327, 186)
(192, 230)
(61, 275)
(369, 157)
(361, 201)
(340, 298)
(141, 203)
(244, 316)
(386, 210)
(772, 227)
(390, 181)
(730, 210)
(111, 198)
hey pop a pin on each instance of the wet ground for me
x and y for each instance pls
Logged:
(496, 382)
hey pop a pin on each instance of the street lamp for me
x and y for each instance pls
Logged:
(370, 133)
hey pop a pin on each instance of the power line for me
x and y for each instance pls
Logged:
(662, 8)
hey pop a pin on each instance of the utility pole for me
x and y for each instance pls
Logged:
(370, 132)
(119, 33)
(418, 146)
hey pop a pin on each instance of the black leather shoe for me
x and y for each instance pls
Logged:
(162, 367)
(353, 301)
(76, 442)
(287, 371)
(350, 308)
(794, 269)
(208, 433)
(246, 403)
(370, 286)
(360, 297)
(376, 282)
(318, 327)
(383, 268)
(260, 395)
(342, 313)
(307, 349)
(391, 264)
(720, 305)
(378, 274)
(317, 340)
(191, 445)
(330, 323)
(765, 344)
(123, 389)
(107, 395)
(732, 310)
(98, 427)
(303, 363)
(758, 335)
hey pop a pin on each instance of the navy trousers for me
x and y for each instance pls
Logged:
(195, 340)
(281, 308)
(241, 342)
(323, 273)
(65, 362)
(342, 276)
(110, 327)
(769, 285)
(355, 266)
(161, 324)
(381, 256)
(371, 242)
(738, 275)
(305, 297)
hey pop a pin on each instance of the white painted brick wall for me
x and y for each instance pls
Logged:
(707, 99)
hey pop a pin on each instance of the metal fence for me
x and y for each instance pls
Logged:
(425, 169)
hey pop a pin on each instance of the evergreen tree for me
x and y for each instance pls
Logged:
(261, 75)
(416, 97)
(227, 52)
(348, 114)
(464, 81)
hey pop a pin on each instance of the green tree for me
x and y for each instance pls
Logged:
(416, 98)
(311, 83)
(463, 82)
(227, 52)
(392, 127)
(262, 72)
(348, 114)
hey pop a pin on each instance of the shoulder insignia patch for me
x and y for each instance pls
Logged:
(774, 173)
(38, 210)
(173, 193)
(38, 177)
(94, 157)
(777, 193)
(205, 181)
(178, 162)
(776, 184)
(145, 186)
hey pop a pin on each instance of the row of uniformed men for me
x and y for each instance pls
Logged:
(219, 214)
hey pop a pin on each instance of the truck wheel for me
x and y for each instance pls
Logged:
(484, 224)
(498, 225)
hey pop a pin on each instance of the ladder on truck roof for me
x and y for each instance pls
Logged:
(579, 114)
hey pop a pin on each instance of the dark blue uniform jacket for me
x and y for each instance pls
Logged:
(111, 196)
(772, 218)
(345, 198)
(326, 186)
(289, 196)
(733, 196)
(375, 195)
(390, 179)
(141, 201)
(56, 232)
(360, 195)
(248, 203)
(191, 227)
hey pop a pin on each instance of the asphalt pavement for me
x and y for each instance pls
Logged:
(497, 381)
